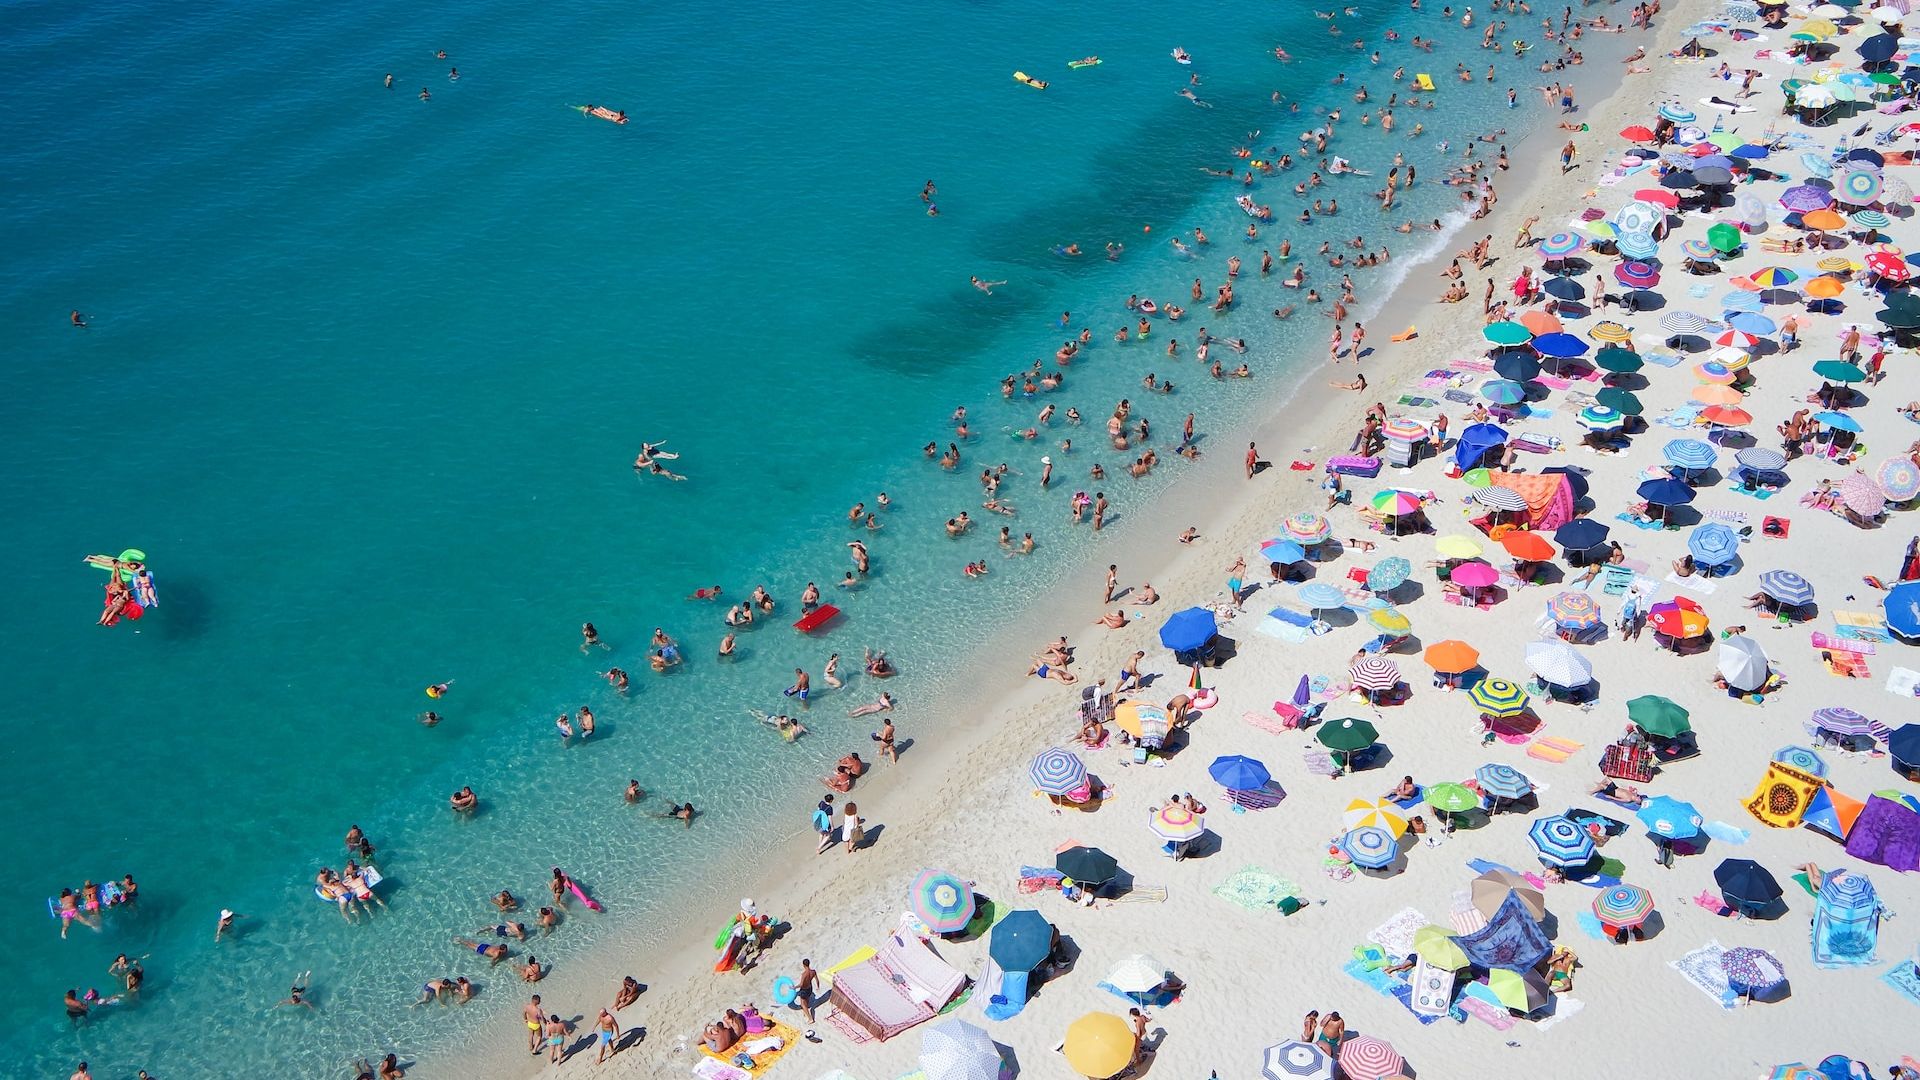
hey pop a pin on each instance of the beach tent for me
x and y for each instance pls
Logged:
(1550, 496)
(1783, 795)
(1476, 442)
(904, 984)
(1887, 833)
(1832, 813)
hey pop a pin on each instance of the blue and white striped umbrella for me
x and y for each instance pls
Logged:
(1560, 841)
(1637, 245)
(1056, 771)
(1817, 164)
(1787, 587)
(1677, 113)
(1742, 301)
(1759, 457)
(1686, 322)
(1802, 758)
(1502, 781)
(1713, 544)
(1318, 595)
(1871, 220)
(1370, 846)
(1600, 418)
(1296, 1061)
(1691, 453)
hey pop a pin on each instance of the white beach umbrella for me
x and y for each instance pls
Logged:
(1743, 663)
(1137, 974)
(956, 1050)
(1559, 663)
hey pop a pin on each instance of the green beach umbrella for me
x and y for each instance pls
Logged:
(1618, 360)
(1478, 478)
(1436, 946)
(1451, 797)
(1507, 333)
(1727, 141)
(1498, 697)
(1520, 991)
(1839, 371)
(1656, 715)
(1620, 401)
(1348, 735)
(1724, 237)
(1884, 78)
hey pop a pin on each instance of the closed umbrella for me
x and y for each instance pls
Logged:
(1623, 905)
(1743, 663)
(956, 1050)
(1656, 715)
(1296, 1061)
(1021, 940)
(1099, 1045)
(1787, 587)
(1574, 610)
(1498, 697)
(1559, 664)
(1374, 673)
(941, 900)
(1451, 657)
(1502, 781)
(1364, 1057)
(1668, 817)
(1690, 453)
(1056, 771)
(1561, 841)
(1371, 847)
(1713, 544)
(1089, 866)
(1238, 773)
(1375, 813)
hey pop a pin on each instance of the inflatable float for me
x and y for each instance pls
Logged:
(1423, 81)
(1084, 62)
(109, 896)
(602, 112)
(815, 619)
(1023, 77)
(367, 874)
(733, 938)
(1181, 56)
(1148, 307)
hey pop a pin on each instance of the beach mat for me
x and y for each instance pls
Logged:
(764, 1060)
(1494, 1016)
(1553, 748)
(1702, 969)
(1255, 889)
(1396, 934)
(1904, 981)
(1564, 1008)
(1142, 894)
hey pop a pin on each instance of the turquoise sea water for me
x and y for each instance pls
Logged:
(365, 373)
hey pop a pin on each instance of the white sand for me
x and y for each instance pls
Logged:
(962, 801)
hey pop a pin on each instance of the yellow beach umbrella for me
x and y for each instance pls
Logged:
(1436, 946)
(1820, 28)
(1837, 263)
(1099, 1045)
(1361, 813)
(1457, 547)
(1712, 394)
(1611, 331)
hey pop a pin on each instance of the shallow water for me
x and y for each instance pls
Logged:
(364, 375)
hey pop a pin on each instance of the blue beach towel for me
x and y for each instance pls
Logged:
(1012, 997)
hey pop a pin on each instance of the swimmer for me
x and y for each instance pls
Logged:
(493, 953)
(985, 286)
(634, 793)
(590, 638)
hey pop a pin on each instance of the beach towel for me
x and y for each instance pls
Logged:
(1703, 969)
(1846, 936)
(1903, 682)
(1255, 889)
(712, 1068)
(1762, 494)
(1038, 879)
(1553, 748)
(1840, 644)
(1430, 991)
(1886, 833)
(1725, 833)
(1477, 1005)
(1590, 925)
(1458, 397)
(1396, 934)
(1142, 894)
(1011, 998)
(1782, 795)
(1463, 915)
(1667, 359)
(1265, 722)
(1375, 979)
(844, 1024)
(1320, 763)
(1511, 939)
(1696, 583)
(1861, 626)
(1565, 1007)
(1904, 981)
(778, 1040)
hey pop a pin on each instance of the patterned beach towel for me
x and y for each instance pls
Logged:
(1702, 968)
(1396, 934)
(1255, 889)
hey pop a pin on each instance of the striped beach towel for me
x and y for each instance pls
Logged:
(1840, 644)
(1553, 748)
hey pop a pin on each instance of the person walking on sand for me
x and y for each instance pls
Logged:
(851, 827)
(1113, 582)
(804, 987)
(885, 738)
(606, 1030)
(1253, 459)
(1567, 153)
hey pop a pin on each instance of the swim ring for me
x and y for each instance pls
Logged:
(1205, 698)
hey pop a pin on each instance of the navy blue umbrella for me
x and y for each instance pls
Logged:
(1187, 630)
(1516, 366)
(1879, 47)
(1580, 534)
(1020, 941)
(1667, 492)
(1564, 288)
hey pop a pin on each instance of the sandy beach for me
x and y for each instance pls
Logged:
(961, 799)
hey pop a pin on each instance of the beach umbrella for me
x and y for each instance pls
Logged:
(1574, 610)
(1089, 866)
(1457, 547)
(1638, 245)
(1754, 323)
(1824, 288)
(1621, 400)
(1738, 339)
(1894, 191)
(1527, 544)
(1902, 608)
(1637, 217)
(1187, 630)
(1903, 745)
(1389, 620)
(1599, 418)
(1364, 1057)
(1745, 881)
(1238, 773)
(1670, 818)
(1817, 164)
(1176, 823)
(1522, 991)
(1742, 300)
(1686, 322)
(1021, 940)
(1436, 946)
(1665, 492)
(1690, 453)
(1581, 534)
(1307, 527)
(1839, 371)
(1710, 172)
(1699, 250)
(1636, 133)
(1477, 478)
(1138, 974)
(1395, 503)
(1618, 361)
(1858, 187)
(1795, 1071)
(1804, 199)
(1558, 663)
(1759, 457)
(1822, 221)
(1374, 673)
(1658, 197)
(1503, 391)
(956, 1050)
(1147, 723)
(1712, 371)
(1542, 323)
(1498, 697)
(1601, 230)
(1623, 905)
(1560, 841)
(941, 900)
(1389, 574)
(1743, 663)
(1451, 657)
(1403, 429)
(1500, 498)
(1679, 618)
(1862, 496)
(1726, 416)
(1713, 544)
(1375, 813)
(1056, 771)
(1869, 220)
(1517, 366)
(1846, 889)
(1637, 275)
(1559, 245)
(1099, 1045)
(1451, 798)
(1284, 552)
(1787, 587)
(1296, 1061)
(1656, 715)
(1502, 781)
(1372, 847)
(1838, 264)
(1347, 736)
(1560, 288)
(1318, 595)
(1677, 113)
(1839, 421)
(1815, 95)
(1724, 237)
(1490, 890)
(1475, 575)
(1506, 334)
(1613, 333)
(1844, 721)
(1752, 972)
(1802, 758)
(1898, 477)
(1885, 263)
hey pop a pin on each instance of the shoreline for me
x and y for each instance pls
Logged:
(1016, 721)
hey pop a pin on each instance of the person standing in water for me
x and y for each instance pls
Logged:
(832, 672)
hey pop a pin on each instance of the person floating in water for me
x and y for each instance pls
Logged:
(80, 320)
(985, 286)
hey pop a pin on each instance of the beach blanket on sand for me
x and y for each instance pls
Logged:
(1904, 982)
(1492, 1014)
(1564, 1008)
(1430, 991)
(1036, 879)
(1703, 969)
(1255, 889)
(1846, 936)
(711, 1068)
(1511, 939)
(1396, 934)
(782, 1034)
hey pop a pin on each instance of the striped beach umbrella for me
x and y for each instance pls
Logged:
(1837, 264)
(1364, 1057)
(1372, 847)
(1374, 673)
(1389, 574)
(1296, 1061)
(1898, 477)
(1600, 418)
(1307, 527)
(1611, 331)
(1787, 587)
(1499, 697)
(1623, 905)
(1638, 245)
(1389, 620)
(1736, 338)
(1713, 544)
(1759, 457)
(1858, 187)
(1560, 841)
(1637, 275)
(1669, 817)
(1502, 781)
(1741, 300)
(1870, 220)
(1500, 498)
(1690, 453)
(1686, 322)
(1559, 245)
(1844, 721)
(1677, 113)
(1376, 813)
(1056, 771)
(1318, 595)
(1805, 198)
(1574, 610)
(1637, 218)
(1503, 391)
(1559, 664)
(1176, 823)
(1773, 277)
(1403, 429)
(941, 900)
(1395, 503)
(1802, 758)
(1713, 371)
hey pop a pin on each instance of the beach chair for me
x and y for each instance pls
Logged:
(1263, 799)
(1622, 762)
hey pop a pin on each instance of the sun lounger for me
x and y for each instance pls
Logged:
(1621, 762)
